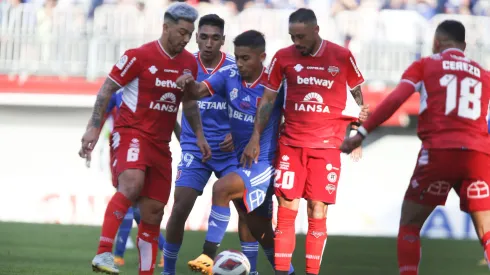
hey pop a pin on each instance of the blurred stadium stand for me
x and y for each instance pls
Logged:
(75, 42)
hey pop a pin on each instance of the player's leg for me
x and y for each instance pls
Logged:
(475, 196)
(192, 177)
(154, 197)
(130, 183)
(122, 237)
(323, 170)
(260, 224)
(289, 183)
(249, 245)
(429, 186)
(161, 239)
(225, 189)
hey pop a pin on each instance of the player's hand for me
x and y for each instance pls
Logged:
(363, 116)
(89, 140)
(351, 143)
(203, 145)
(227, 144)
(356, 154)
(183, 80)
(251, 153)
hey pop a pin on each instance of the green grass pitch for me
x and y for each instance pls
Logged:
(40, 249)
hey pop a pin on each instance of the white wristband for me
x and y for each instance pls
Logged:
(362, 131)
(352, 133)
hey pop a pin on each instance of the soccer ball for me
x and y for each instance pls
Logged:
(231, 262)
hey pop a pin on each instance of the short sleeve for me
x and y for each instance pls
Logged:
(276, 73)
(414, 73)
(127, 68)
(216, 83)
(112, 103)
(354, 76)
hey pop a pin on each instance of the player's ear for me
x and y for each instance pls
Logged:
(464, 46)
(165, 27)
(317, 29)
(223, 40)
(262, 57)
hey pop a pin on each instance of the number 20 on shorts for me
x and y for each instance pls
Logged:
(287, 179)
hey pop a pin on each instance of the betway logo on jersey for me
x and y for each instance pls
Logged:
(314, 81)
(165, 83)
(167, 103)
(313, 102)
(232, 113)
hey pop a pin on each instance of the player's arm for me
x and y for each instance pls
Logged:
(264, 112)
(104, 96)
(388, 106)
(177, 130)
(195, 90)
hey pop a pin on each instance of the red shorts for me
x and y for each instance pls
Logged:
(440, 170)
(132, 150)
(307, 173)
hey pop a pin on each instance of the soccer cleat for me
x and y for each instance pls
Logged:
(254, 273)
(104, 263)
(202, 264)
(119, 261)
(161, 263)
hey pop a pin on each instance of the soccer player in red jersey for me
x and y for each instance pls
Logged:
(454, 95)
(141, 162)
(321, 82)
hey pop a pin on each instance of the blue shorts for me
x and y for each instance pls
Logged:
(258, 187)
(193, 173)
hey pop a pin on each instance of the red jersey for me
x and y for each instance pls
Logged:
(151, 99)
(454, 97)
(318, 104)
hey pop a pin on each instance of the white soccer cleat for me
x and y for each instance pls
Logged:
(104, 263)
(254, 273)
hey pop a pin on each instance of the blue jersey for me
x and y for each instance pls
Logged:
(213, 114)
(243, 100)
(115, 101)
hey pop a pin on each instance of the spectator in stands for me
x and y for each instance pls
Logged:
(342, 5)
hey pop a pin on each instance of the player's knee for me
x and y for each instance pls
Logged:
(130, 183)
(317, 209)
(289, 204)
(151, 211)
(220, 191)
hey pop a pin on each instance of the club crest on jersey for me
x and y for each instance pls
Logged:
(153, 69)
(122, 61)
(233, 94)
(334, 70)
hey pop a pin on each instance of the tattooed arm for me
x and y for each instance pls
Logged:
(357, 94)
(264, 111)
(91, 136)
(103, 97)
(252, 150)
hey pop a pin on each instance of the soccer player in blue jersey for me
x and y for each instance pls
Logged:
(133, 212)
(193, 174)
(250, 183)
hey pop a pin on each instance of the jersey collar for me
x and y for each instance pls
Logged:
(320, 50)
(256, 82)
(454, 51)
(204, 69)
(163, 51)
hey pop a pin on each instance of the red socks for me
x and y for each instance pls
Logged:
(316, 239)
(148, 247)
(485, 241)
(285, 238)
(409, 250)
(114, 215)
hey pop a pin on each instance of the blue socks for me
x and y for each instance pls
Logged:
(251, 250)
(161, 242)
(170, 253)
(123, 233)
(217, 223)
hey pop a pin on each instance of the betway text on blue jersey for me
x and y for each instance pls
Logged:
(243, 99)
(213, 115)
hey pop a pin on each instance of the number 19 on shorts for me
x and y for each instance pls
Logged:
(284, 180)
